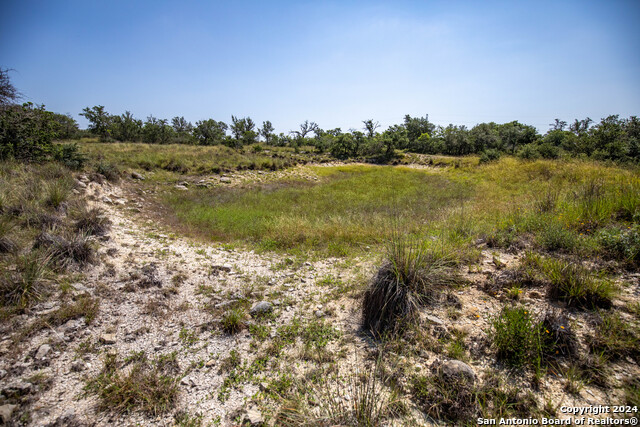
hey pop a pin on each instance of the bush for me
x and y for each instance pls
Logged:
(26, 132)
(109, 171)
(621, 245)
(70, 156)
(529, 152)
(410, 277)
(517, 336)
(490, 155)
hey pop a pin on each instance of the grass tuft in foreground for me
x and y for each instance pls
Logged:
(146, 385)
(410, 277)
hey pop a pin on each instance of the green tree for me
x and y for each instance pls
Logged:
(126, 127)
(416, 126)
(8, 93)
(243, 131)
(267, 131)
(210, 132)
(66, 126)
(99, 121)
(26, 132)
(370, 127)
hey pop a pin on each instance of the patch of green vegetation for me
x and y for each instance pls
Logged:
(347, 208)
(615, 337)
(146, 385)
(170, 160)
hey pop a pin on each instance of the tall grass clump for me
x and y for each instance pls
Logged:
(410, 276)
(27, 282)
(146, 385)
(359, 398)
(577, 286)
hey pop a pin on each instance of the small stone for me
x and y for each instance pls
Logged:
(225, 179)
(78, 366)
(183, 183)
(180, 187)
(106, 199)
(434, 319)
(83, 178)
(136, 175)
(319, 313)
(456, 368)
(225, 267)
(263, 307)
(5, 413)
(81, 184)
(108, 339)
(210, 363)
(42, 352)
(3, 373)
(254, 417)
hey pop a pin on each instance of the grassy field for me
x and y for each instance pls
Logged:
(574, 207)
(350, 207)
(175, 159)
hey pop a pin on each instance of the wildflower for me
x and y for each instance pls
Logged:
(561, 327)
(547, 330)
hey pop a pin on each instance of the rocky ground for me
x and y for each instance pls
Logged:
(163, 294)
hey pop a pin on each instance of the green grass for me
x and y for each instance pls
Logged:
(349, 207)
(145, 385)
(171, 159)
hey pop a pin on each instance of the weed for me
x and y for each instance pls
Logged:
(144, 386)
(233, 321)
(92, 222)
(615, 337)
(188, 337)
(573, 284)
(28, 282)
(517, 336)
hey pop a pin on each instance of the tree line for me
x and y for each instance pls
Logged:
(613, 138)
(27, 132)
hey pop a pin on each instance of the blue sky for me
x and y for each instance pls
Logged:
(336, 63)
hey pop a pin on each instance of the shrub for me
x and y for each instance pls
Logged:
(109, 170)
(621, 245)
(70, 156)
(490, 155)
(529, 152)
(410, 277)
(558, 338)
(517, 336)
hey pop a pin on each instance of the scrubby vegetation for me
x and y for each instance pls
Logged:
(429, 273)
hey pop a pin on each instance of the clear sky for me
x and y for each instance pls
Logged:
(333, 62)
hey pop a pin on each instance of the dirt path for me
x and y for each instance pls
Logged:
(155, 294)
